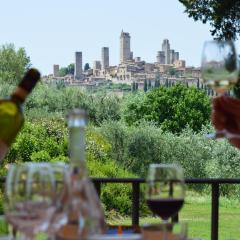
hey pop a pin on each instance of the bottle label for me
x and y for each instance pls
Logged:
(3, 150)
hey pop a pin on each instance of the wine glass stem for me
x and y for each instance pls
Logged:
(28, 237)
(14, 233)
(165, 231)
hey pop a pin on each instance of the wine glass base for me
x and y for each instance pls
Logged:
(223, 134)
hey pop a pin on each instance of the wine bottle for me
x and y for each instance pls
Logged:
(11, 114)
(85, 214)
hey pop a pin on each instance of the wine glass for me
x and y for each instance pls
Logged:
(220, 72)
(30, 194)
(165, 190)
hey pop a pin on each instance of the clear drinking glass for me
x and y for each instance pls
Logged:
(30, 197)
(60, 215)
(220, 72)
(165, 189)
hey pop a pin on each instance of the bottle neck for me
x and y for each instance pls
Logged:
(77, 148)
(19, 95)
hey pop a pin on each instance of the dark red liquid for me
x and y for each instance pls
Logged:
(165, 208)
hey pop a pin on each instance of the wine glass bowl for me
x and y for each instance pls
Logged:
(30, 193)
(165, 189)
(219, 65)
(220, 72)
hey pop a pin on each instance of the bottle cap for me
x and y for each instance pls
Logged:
(30, 79)
(77, 118)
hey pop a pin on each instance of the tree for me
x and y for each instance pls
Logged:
(223, 16)
(136, 85)
(171, 108)
(149, 84)
(145, 87)
(13, 63)
(63, 72)
(70, 68)
(166, 82)
(157, 80)
(198, 83)
(172, 71)
(86, 67)
(67, 70)
(133, 87)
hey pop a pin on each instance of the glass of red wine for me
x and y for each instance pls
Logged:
(165, 190)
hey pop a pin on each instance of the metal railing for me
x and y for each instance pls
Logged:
(135, 182)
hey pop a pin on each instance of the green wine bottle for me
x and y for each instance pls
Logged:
(11, 114)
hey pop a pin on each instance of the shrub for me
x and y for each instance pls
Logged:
(135, 147)
(172, 108)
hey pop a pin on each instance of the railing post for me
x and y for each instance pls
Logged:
(175, 218)
(215, 211)
(97, 186)
(135, 202)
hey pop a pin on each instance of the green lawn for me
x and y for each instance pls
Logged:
(197, 212)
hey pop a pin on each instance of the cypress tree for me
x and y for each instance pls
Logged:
(198, 84)
(136, 86)
(166, 82)
(145, 88)
(157, 80)
(149, 84)
(133, 87)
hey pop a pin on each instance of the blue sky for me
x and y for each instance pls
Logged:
(52, 30)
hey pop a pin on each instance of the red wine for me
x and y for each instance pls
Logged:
(165, 208)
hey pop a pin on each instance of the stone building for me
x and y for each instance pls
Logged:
(78, 66)
(105, 57)
(176, 56)
(127, 71)
(131, 55)
(125, 51)
(96, 68)
(161, 57)
(171, 56)
(149, 67)
(180, 64)
(166, 50)
(55, 70)
(96, 65)
(163, 68)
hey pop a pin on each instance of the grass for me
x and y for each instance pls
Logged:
(197, 212)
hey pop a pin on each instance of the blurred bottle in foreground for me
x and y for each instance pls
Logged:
(85, 214)
(11, 114)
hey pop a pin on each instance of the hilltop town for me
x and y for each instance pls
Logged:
(131, 70)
